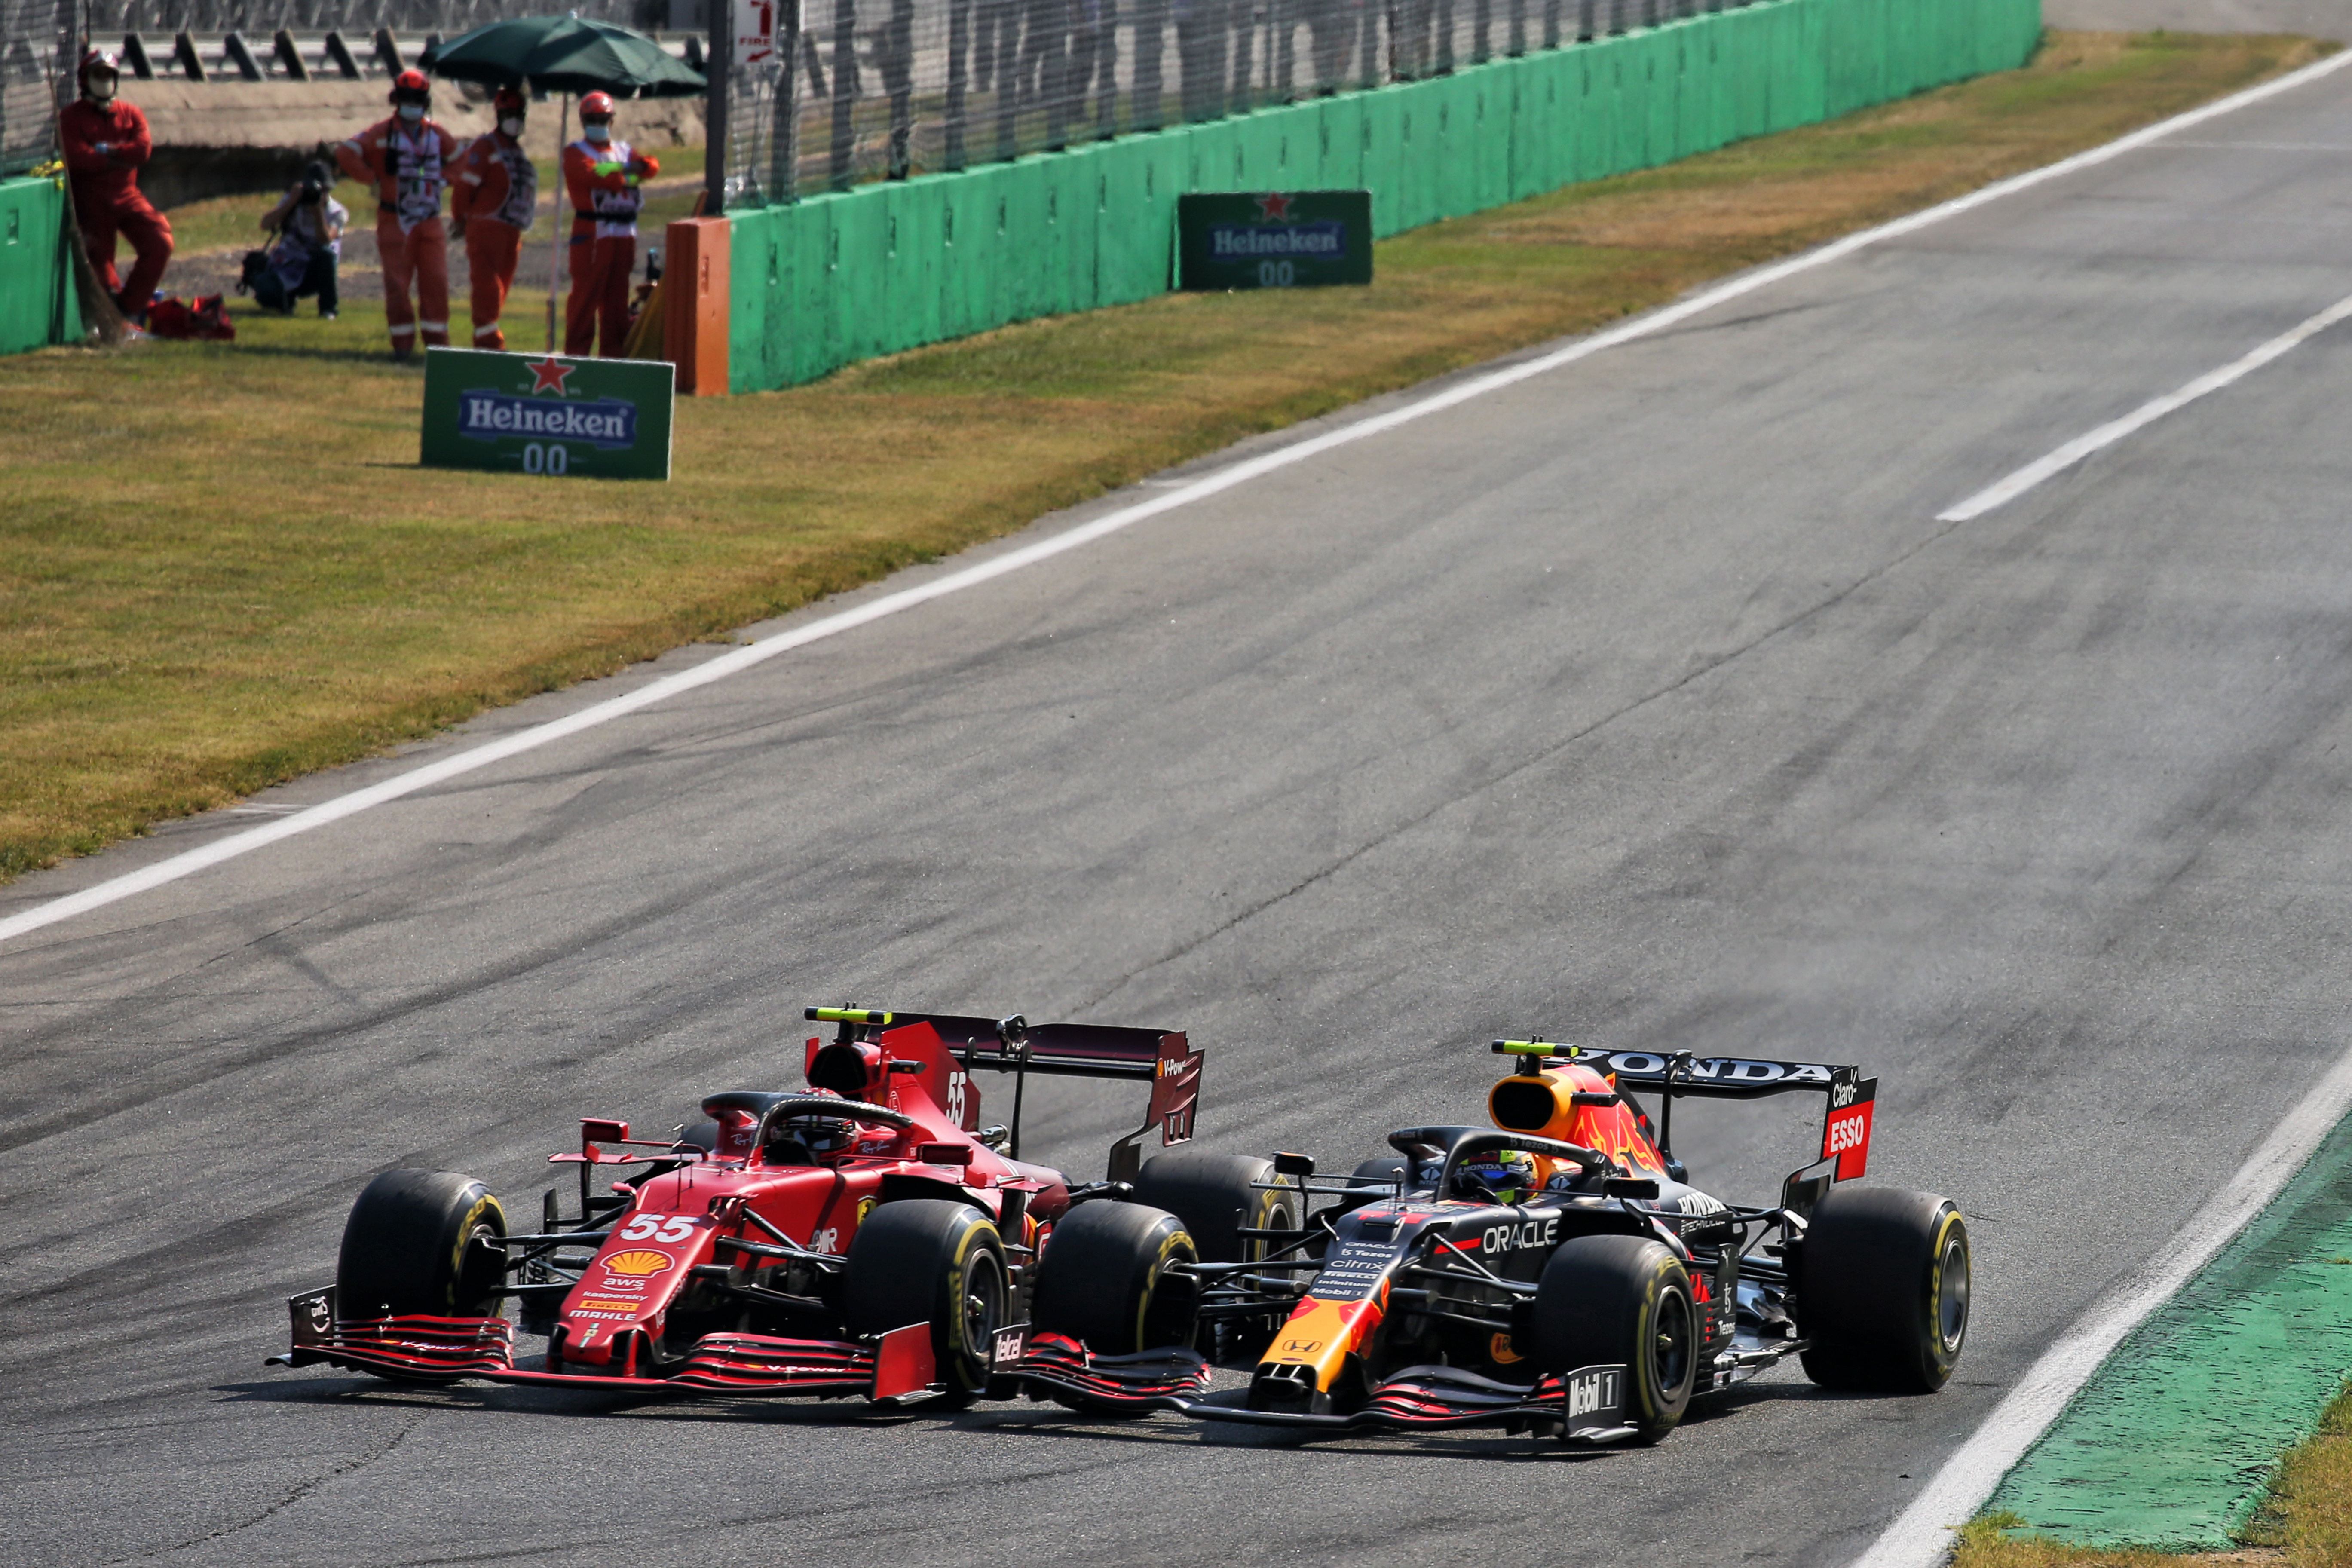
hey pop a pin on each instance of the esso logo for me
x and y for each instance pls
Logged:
(1848, 1132)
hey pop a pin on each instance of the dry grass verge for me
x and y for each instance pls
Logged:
(220, 566)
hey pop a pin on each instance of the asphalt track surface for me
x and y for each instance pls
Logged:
(1644, 702)
(2312, 18)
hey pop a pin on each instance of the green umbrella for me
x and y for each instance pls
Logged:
(564, 55)
(568, 55)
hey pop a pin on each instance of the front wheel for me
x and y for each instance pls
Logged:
(420, 1243)
(930, 1260)
(1103, 1280)
(1883, 1290)
(1621, 1300)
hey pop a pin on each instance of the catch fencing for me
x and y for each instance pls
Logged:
(895, 264)
(33, 32)
(105, 18)
(843, 93)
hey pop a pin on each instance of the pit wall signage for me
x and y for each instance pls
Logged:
(547, 416)
(1279, 239)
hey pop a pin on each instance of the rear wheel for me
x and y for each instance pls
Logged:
(1218, 1197)
(1103, 1280)
(932, 1260)
(1883, 1290)
(1621, 1300)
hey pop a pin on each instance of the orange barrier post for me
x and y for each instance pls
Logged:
(694, 302)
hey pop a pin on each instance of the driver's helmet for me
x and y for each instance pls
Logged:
(817, 1132)
(1506, 1175)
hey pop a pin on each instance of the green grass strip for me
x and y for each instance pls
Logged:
(2173, 1444)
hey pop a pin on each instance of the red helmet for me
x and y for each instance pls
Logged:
(596, 106)
(410, 87)
(507, 101)
(98, 61)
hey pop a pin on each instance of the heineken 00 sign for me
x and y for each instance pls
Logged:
(560, 418)
(1297, 239)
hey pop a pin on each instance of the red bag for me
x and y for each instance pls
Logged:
(203, 319)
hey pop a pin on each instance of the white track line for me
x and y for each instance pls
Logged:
(2146, 414)
(719, 669)
(1922, 1534)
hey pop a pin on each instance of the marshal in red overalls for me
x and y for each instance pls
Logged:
(106, 140)
(602, 177)
(496, 193)
(404, 159)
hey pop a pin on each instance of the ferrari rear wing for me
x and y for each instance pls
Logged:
(1007, 1045)
(1676, 1075)
(1163, 1057)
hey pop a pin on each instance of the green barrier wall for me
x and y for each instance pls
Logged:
(837, 278)
(30, 267)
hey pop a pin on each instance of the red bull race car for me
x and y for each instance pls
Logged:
(1553, 1272)
(867, 1236)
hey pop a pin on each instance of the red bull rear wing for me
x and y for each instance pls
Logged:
(1677, 1075)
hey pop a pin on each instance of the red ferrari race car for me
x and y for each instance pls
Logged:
(1553, 1273)
(867, 1236)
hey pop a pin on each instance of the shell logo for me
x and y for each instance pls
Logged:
(638, 1261)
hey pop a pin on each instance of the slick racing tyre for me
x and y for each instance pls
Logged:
(930, 1260)
(1103, 1279)
(420, 1243)
(1883, 1290)
(1372, 1181)
(1217, 1197)
(1621, 1300)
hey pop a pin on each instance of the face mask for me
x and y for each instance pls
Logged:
(412, 112)
(102, 89)
(513, 127)
(598, 133)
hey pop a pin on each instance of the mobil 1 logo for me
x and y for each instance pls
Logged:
(547, 416)
(1295, 239)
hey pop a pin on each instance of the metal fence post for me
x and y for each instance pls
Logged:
(717, 128)
(959, 80)
(845, 94)
(784, 136)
